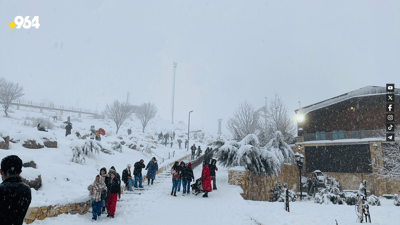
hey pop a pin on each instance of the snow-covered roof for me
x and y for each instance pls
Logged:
(365, 91)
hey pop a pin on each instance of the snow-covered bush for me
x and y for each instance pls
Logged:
(35, 121)
(266, 160)
(82, 148)
(373, 200)
(396, 200)
(116, 146)
(77, 155)
(292, 196)
(331, 193)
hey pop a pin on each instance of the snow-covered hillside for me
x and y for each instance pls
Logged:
(64, 181)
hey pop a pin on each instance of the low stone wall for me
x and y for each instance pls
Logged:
(41, 213)
(257, 187)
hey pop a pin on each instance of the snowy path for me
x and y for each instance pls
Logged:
(225, 206)
(156, 206)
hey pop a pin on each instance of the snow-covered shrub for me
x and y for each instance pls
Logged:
(116, 146)
(292, 196)
(350, 198)
(396, 200)
(373, 200)
(266, 160)
(45, 121)
(82, 148)
(77, 155)
(331, 193)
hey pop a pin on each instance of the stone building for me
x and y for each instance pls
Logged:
(342, 137)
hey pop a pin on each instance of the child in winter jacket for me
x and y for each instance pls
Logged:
(95, 195)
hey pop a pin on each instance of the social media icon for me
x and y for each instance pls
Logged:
(390, 97)
(389, 117)
(390, 127)
(390, 107)
(389, 137)
(390, 87)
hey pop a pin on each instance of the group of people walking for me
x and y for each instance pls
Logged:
(196, 154)
(106, 188)
(183, 174)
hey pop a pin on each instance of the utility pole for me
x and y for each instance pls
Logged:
(219, 128)
(189, 131)
(173, 92)
(128, 96)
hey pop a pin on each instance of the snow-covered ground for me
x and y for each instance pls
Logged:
(223, 206)
(66, 182)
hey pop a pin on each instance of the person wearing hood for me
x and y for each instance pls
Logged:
(187, 177)
(105, 178)
(15, 196)
(127, 177)
(176, 173)
(114, 191)
(112, 168)
(95, 195)
(138, 173)
(206, 179)
(151, 168)
(213, 167)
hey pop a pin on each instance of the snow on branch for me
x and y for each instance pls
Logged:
(266, 160)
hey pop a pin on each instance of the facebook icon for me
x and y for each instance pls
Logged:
(389, 107)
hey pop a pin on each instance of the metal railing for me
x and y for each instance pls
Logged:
(52, 106)
(360, 134)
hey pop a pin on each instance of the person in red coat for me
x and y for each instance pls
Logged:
(206, 179)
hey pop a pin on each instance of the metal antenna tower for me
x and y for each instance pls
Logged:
(173, 92)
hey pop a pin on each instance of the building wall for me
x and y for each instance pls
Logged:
(368, 114)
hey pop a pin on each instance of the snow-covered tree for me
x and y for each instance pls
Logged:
(266, 160)
(244, 121)
(9, 92)
(275, 118)
(118, 112)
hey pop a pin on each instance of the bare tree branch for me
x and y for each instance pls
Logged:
(276, 119)
(245, 121)
(118, 112)
(145, 113)
(9, 92)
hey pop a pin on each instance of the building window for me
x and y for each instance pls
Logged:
(341, 134)
(335, 135)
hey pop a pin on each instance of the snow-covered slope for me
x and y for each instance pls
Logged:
(64, 181)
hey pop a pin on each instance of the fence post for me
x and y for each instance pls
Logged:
(169, 155)
(173, 154)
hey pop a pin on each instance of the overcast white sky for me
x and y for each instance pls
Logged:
(93, 52)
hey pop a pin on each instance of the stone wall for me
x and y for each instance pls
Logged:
(41, 213)
(257, 187)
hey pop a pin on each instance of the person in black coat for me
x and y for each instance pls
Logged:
(213, 168)
(138, 173)
(15, 196)
(68, 129)
(105, 177)
(116, 174)
(114, 190)
(127, 177)
(187, 177)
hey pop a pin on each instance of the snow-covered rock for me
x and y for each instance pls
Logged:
(31, 177)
